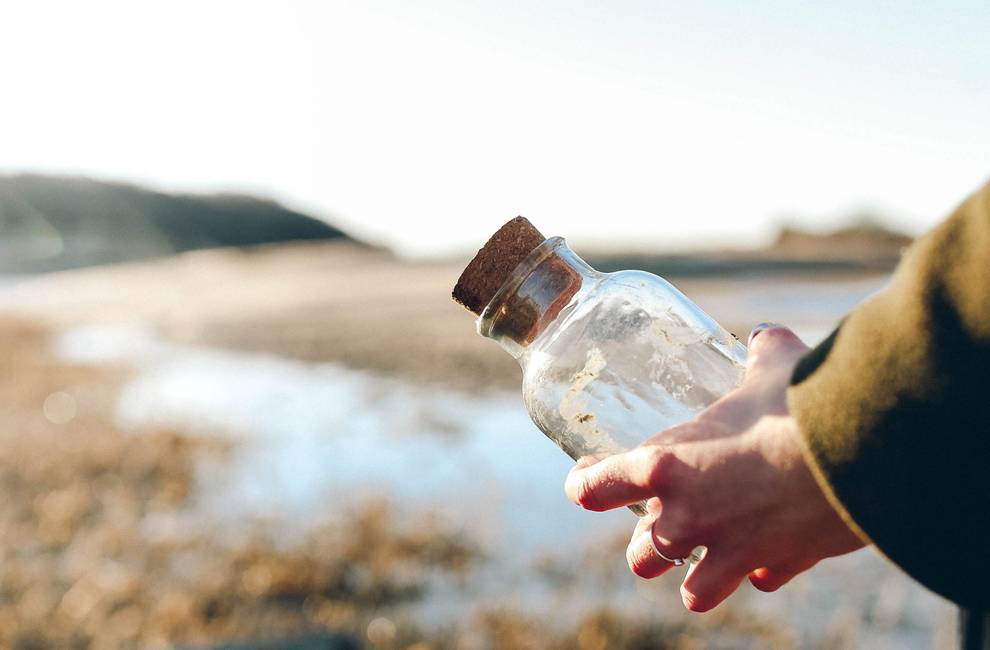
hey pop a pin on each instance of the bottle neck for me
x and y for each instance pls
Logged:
(533, 296)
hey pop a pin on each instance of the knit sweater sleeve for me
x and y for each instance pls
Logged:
(894, 409)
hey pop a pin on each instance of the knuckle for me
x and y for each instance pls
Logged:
(676, 524)
(676, 433)
(660, 463)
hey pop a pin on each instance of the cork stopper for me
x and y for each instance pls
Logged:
(493, 264)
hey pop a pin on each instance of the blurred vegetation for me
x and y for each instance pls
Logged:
(101, 547)
(54, 223)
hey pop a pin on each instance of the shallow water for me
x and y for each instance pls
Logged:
(811, 307)
(309, 434)
(11, 281)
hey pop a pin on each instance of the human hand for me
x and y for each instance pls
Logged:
(733, 479)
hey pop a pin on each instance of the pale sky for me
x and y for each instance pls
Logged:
(425, 125)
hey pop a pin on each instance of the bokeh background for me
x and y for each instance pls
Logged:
(237, 406)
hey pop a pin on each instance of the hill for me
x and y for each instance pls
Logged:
(864, 246)
(54, 223)
(864, 240)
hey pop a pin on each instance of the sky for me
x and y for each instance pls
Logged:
(425, 125)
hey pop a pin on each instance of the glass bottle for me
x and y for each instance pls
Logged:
(608, 359)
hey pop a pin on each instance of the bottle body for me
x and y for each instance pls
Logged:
(612, 359)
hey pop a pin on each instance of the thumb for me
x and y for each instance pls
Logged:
(773, 347)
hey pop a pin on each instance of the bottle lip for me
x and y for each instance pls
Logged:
(486, 321)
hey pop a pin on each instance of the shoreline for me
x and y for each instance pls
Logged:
(366, 309)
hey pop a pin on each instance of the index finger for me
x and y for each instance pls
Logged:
(618, 480)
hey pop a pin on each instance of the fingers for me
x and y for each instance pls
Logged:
(762, 327)
(711, 581)
(676, 531)
(769, 579)
(773, 346)
(708, 582)
(640, 554)
(772, 579)
(643, 560)
(618, 480)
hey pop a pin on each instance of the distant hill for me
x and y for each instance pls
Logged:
(865, 240)
(864, 246)
(54, 223)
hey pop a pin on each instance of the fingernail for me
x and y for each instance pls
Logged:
(760, 328)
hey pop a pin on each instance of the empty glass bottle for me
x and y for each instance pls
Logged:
(608, 359)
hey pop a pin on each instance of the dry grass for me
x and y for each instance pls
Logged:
(98, 550)
(101, 546)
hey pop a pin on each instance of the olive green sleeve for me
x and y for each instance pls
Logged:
(894, 408)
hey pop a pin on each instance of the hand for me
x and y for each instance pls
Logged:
(733, 479)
